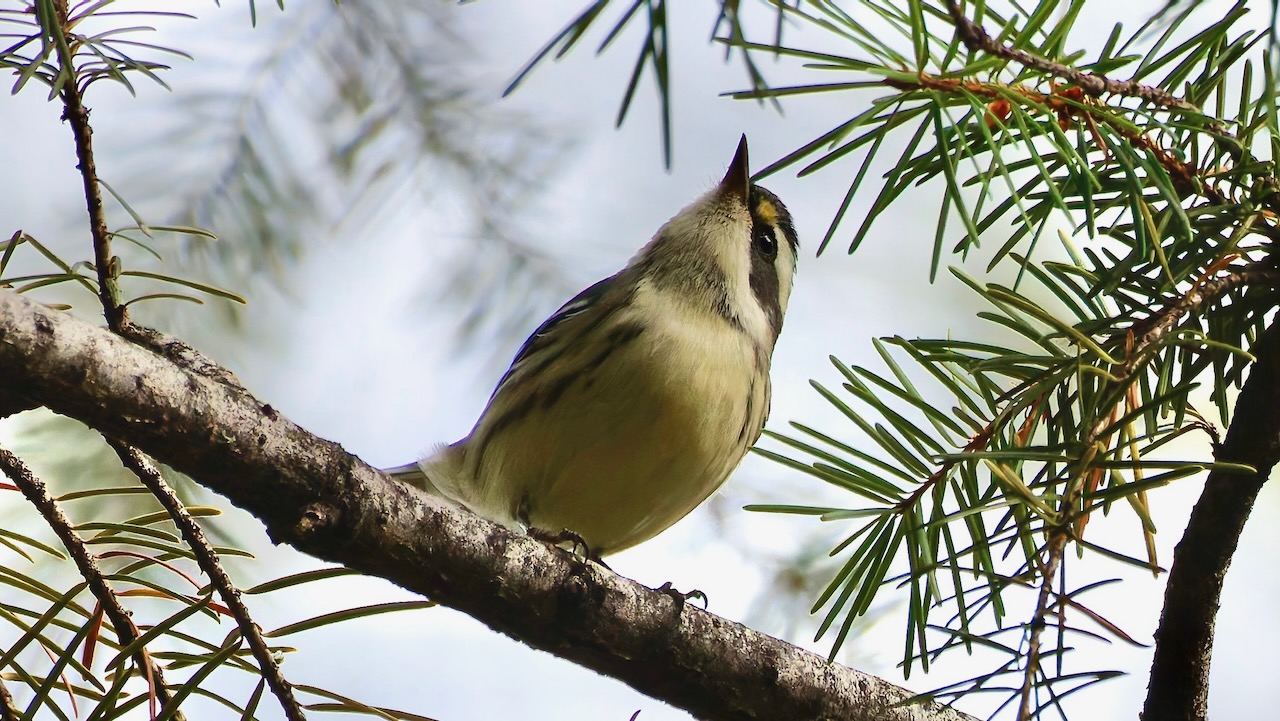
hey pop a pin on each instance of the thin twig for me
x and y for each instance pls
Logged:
(1147, 337)
(208, 560)
(126, 631)
(1057, 546)
(77, 115)
(1149, 331)
(105, 264)
(976, 38)
(1055, 549)
(1186, 178)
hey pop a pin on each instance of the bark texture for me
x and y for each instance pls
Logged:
(313, 495)
(1179, 687)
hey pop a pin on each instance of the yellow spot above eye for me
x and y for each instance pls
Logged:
(767, 211)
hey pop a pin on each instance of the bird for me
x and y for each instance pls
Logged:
(636, 400)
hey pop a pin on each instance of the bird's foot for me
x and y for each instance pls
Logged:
(681, 597)
(577, 545)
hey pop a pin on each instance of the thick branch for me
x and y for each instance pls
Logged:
(14, 403)
(320, 499)
(1179, 686)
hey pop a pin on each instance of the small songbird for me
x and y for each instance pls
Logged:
(634, 402)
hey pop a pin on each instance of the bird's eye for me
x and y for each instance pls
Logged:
(765, 242)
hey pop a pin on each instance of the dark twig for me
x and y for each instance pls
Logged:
(1179, 684)
(975, 38)
(126, 631)
(105, 264)
(1149, 331)
(209, 562)
(77, 115)
(1044, 599)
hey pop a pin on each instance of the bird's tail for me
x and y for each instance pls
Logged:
(412, 474)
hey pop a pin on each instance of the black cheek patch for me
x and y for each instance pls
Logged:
(764, 285)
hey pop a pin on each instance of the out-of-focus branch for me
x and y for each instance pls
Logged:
(35, 492)
(320, 499)
(209, 562)
(1179, 686)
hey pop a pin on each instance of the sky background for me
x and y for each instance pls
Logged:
(362, 352)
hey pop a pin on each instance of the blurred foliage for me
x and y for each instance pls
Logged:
(328, 123)
(334, 120)
(342, 119)
(331, 123)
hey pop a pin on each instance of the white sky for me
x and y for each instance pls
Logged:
(387, 385)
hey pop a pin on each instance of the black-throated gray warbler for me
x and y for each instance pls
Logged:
(634, 402)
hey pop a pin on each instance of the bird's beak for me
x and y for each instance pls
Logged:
(737, 182)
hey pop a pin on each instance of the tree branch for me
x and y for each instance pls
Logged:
(209, 562)
(1179, 687)
(1148, 331)
(77, 115)
(318, 498)
(976, 38)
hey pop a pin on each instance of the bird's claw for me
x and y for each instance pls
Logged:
(577, 545)
(681, 597)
